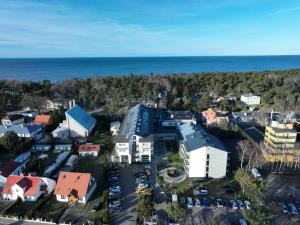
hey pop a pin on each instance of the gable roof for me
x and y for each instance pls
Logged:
(42, 119)
(8, 168)
(89, 148)
(31, 184)
(72, 182)
(82, 117)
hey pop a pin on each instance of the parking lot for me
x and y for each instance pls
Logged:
(129, 198)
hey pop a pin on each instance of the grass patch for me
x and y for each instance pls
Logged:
(52, 210)
(19, 209)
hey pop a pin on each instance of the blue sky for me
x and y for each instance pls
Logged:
(77, 28)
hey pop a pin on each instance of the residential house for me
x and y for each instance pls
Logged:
(78, 124)
(203, 154)
(42, 119)
(88, 150)
(211, 117)
(11, 168)
(12, 119)
(280, 137)
(27, 188)
(134, 142)
(250, 99)
(30, 131)
(53, 104)
(74, 187)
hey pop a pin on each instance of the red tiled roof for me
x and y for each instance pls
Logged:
(89, 148)
(8, 168)
(42, 119)
(31, 184)
(70, 182)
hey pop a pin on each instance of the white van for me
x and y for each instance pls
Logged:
(255, 173)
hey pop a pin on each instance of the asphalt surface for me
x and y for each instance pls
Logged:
(129, 198)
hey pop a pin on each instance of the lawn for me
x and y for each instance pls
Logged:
(19, 209)
(52, 210)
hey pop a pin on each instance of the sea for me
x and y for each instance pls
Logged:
(56, 69)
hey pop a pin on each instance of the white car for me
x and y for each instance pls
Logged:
(189, 202)
(234, 204)
(143, 185)
(197, 202)
(202, 191)
(247, 204)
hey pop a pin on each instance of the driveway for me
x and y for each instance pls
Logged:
(129, 198)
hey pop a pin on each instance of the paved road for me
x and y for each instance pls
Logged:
(129, 199)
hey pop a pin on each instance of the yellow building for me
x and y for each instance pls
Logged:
(281, 140)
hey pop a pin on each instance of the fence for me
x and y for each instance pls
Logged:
(37, 221)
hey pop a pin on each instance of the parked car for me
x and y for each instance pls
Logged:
(115, 209)
(201, 191)
(182, 200)
(284, 208)
(234, 205)
(220, 203)
(247, 204)
(143, 185)
(293, 209)
(96, 206)
(243, 222)
(206, 203)
(241, 204)
(189, 201)
(174, 198)
(197, 202)
(114, 203)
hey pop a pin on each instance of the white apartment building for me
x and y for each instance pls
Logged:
(203, 154)
(134, 142)
(250, 99)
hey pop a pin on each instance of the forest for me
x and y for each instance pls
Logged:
(279, 90)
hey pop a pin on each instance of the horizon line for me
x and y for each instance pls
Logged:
(158, 56)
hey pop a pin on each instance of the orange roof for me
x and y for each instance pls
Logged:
(42, 119)
(31, 184)
(89, 148)
(70, 182)
(211, 115)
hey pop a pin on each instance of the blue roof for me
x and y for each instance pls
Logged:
(82, 117)
(19, 129)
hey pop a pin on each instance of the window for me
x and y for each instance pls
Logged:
(62, 197)
(207, 163)
(207, 169)
(207, 156)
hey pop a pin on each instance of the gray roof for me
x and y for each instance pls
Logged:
(194, 137)
(20, 129)
(138, 121)
(177, 115)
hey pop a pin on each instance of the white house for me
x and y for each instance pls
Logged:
(30, 131)
(203, 154)
(78, 124)
(250, 99)
(134, 142)
(74, 187)
(11, 168)
(27, 188)
(88, 150)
